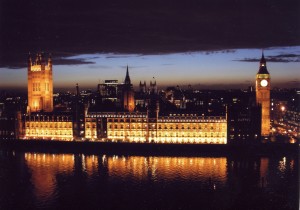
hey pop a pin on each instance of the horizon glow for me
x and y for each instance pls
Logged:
(216, 70)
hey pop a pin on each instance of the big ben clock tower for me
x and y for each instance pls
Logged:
(263, 95)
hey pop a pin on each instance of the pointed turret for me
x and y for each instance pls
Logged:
(29, 61)
(77, 90)
(127, 78)
(153, 86)
(50, 61)
(38, 59)
(263, 65)
(128, 94)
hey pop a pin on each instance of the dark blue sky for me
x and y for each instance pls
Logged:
(208, 42)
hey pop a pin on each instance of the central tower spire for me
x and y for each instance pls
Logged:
(127, 78)
(128, 94)
(263, 65)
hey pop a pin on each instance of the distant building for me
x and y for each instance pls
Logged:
(9, 127)
(143, 87)
(10, 118)
(244, 119)
(176, 97)
(110, 90)
(291, 120)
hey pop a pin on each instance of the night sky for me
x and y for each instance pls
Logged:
(205, 43)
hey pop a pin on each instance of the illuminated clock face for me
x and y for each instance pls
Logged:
(264, 83)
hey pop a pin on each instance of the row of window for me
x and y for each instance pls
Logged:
(90, 125)
(54, 133)
(175, 140)
(40, 119)
(37, 86)
(197, 141)
(6, 132)
(194, 127)
(161, 134)
(50, 125)
(121, 118)
(91, 134)
(118, 120)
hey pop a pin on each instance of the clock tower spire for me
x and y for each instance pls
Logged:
(263, 95)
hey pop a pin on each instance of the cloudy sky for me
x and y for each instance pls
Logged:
(208, 43)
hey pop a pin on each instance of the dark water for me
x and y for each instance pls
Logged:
(78, 181)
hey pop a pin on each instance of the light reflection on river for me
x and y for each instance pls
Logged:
(44, 180)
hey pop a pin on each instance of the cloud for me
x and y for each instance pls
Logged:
(69, 61)
(281, 58)
(209, 52)
(113, 56)
(56, 61)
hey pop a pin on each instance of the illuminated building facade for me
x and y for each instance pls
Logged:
(138, 127)
(40, 84)
(263, 95)
(48, 126)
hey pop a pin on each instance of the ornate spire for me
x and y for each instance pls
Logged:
(50, 60)
(29, 62)
(127, 78)
(262, 60)
(263, 65)
(77, 90)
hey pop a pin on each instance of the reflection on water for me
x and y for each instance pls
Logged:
(44, 180)
(168, 168)
(45, 167)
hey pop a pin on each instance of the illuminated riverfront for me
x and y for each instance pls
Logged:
(118, 113)
(137, 116)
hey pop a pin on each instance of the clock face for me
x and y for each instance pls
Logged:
(264, 83)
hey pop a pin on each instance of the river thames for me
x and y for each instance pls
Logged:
(30, 180)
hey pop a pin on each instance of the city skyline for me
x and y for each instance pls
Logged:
(213, 70)
(149, 104)
(208, 44)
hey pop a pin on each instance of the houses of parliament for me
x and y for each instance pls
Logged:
(147, 116)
